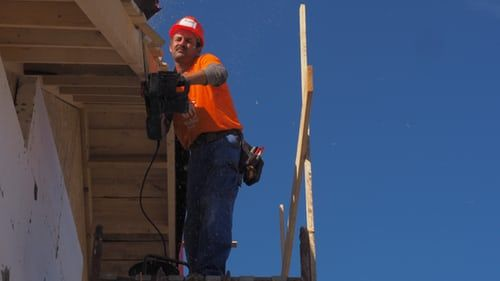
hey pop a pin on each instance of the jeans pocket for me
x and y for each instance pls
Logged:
(233, 140)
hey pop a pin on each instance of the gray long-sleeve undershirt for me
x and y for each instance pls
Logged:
(216, 74)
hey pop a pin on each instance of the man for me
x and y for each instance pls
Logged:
(211, 131)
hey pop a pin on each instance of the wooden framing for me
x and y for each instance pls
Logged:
(301, 164)
(90, 54)
(42, 14)
(118, 30)
(91, 81)
(104, 91)
(108, 99)
(60, 55)
(282, 229)
(43, 37)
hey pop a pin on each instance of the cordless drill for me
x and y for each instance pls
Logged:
(162, 101)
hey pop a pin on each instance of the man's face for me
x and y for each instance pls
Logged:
(183, 46)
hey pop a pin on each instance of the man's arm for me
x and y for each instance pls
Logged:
(214, 74)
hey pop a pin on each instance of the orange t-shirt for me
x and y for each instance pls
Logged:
(214, 109)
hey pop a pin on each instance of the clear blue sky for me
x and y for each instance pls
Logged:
(405, 132)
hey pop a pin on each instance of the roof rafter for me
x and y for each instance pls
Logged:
(112, 20)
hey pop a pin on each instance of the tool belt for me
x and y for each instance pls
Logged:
(205, 138)
(251, 163)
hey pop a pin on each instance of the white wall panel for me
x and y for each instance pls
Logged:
(38, 235)
(16, 187)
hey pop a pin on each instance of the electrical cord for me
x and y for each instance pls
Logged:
(140, 199)
(149, 219)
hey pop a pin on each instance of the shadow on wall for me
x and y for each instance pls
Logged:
(5, 274)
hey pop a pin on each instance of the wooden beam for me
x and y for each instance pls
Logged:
(118, 187)
(112, 20)
(310, 215)
(121, 108)
(131, 8)
(109, 99)
(66, 99)
(87, 185)
(117, 142)
(123, 215)
(43, 37)
(77, 69)
(128, 237)
(40, 14)
(115, 120)
(282, 229)
(95, 269)
(60, 55)
(91, 81)
(305, 258)
(131, 250)
(42, 0)
(100, 91)
(126, 162)
(301, 147)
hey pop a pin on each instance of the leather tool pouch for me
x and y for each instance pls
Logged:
(251, 164)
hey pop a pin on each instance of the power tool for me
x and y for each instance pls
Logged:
(163, 100)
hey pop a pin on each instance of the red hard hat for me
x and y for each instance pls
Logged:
(190, 24)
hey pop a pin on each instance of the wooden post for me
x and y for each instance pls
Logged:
(87, 191)
(302, 146)
(309, 193)
(311, 256)
(97, 254)
(305, 258)
(282, 229)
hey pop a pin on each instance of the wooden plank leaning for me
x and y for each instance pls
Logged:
(302, 146)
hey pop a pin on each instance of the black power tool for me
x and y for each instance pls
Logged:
(162, 100)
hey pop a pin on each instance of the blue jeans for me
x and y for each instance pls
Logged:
(212, 187)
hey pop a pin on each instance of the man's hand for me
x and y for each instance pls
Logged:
(181, 81)
(191, 110)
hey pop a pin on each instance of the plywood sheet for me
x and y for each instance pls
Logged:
(16, 187)
(55, 224)
(66, 127)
